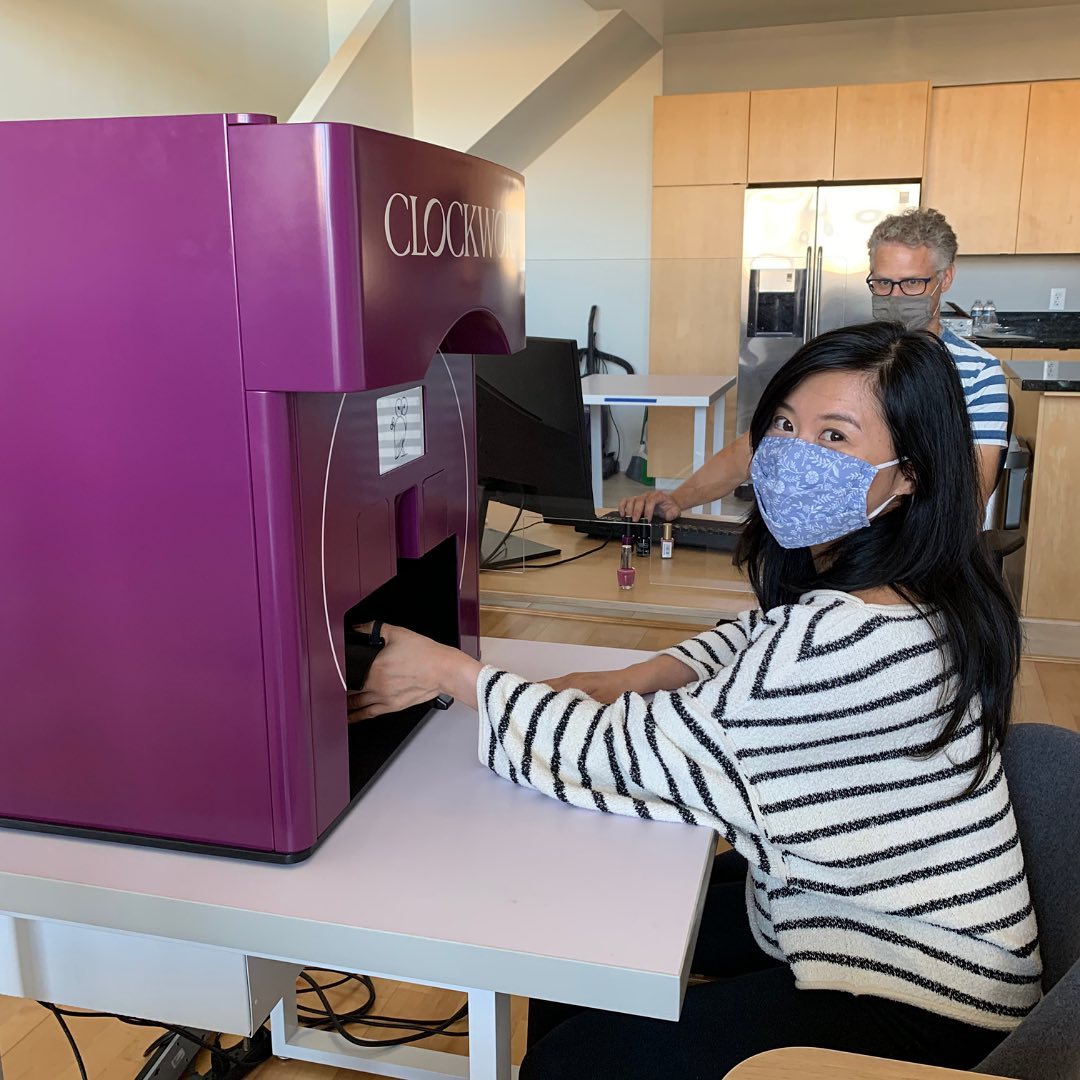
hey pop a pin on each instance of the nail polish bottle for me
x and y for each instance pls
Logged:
(626, 572)
(644, 538)
(667, 541)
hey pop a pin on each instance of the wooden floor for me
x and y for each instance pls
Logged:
(33, 1047)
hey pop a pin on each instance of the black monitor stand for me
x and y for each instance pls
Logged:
(502, 551)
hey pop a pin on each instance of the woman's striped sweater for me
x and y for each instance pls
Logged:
(871, 870)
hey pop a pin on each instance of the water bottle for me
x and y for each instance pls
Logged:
(989, 315)
(976, 316)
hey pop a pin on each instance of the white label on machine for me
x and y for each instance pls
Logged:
(401, 428)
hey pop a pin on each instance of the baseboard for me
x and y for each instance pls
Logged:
(642, 619)
(1051, 639)
(1044, 639)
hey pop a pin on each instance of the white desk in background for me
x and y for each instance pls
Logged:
(443, 875)
(656, 392)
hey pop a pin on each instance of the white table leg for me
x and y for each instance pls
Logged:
(489, 1035)
(597, 455)
(719, 408)
(489, 1046)
(699, 437)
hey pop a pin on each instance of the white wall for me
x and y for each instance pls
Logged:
(1016, 282)
(369, 79)
(61, 58)
(473, 60)
(341, 17)
(974, 47)
(588, 212)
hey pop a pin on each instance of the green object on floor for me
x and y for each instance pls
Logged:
(638, 470)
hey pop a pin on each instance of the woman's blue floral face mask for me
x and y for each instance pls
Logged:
(809, 494)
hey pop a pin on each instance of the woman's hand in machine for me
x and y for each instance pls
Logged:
(411, 669)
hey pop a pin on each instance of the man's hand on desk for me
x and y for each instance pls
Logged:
(655, 504)
(411, 669)
(716, 479)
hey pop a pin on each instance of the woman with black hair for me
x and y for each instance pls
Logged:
(844, 738)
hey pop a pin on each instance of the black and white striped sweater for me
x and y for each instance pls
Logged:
(870, 869)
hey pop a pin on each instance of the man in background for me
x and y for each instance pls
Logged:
(912, 263)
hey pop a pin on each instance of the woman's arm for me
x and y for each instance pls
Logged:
(669, 759)
(697, 658)
(413, 669)
(661, 672)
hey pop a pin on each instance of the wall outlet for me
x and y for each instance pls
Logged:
(1057, 299)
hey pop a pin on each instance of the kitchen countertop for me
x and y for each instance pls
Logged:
(1034, 330)
(1055, 376)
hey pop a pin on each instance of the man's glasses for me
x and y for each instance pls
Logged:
(911, 286)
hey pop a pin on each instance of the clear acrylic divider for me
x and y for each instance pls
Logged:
(702, 337)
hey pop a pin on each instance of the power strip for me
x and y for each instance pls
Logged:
(173, 1059)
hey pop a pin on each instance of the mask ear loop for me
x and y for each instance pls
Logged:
(878, 510)
(878, 468)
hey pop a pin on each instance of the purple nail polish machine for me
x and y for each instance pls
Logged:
(237, 419)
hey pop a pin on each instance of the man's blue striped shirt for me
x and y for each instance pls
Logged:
(985, 390)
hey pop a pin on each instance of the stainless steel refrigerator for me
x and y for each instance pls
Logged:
(804, 270)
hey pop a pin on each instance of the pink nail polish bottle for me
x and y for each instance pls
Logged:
(626, 572)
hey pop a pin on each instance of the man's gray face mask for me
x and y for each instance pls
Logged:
(915, 312)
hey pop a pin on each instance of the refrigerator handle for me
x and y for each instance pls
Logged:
(808, 297)
(817, 289)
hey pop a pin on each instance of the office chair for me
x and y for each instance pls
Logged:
(1042, 764)
(1004, 541)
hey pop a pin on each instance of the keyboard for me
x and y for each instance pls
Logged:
(687, 531)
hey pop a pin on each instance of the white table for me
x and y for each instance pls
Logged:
(443, 875)
(657, 391)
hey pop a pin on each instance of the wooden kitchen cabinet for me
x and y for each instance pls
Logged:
(1038, 354)
(1050, 197)
(881, 131)
(975, 162)
(694, 312)
(700, 138)
(792, 135)
(1051, 588)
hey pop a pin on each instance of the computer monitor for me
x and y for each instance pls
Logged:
(532, 447)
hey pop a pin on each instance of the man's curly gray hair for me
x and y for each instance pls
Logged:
(918, 227)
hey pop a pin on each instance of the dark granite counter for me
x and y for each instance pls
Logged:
(1055, 377)
(1052, 386)
(1034, 330)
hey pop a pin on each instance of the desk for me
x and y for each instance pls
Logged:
(694, 589)
(808, 1063)
(657, 391)
(442, 875)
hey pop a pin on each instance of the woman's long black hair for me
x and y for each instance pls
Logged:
(928, 549)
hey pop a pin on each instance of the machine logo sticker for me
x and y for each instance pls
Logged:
(463, 230)
(400, 418)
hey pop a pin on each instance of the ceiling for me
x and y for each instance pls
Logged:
(694, 16)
